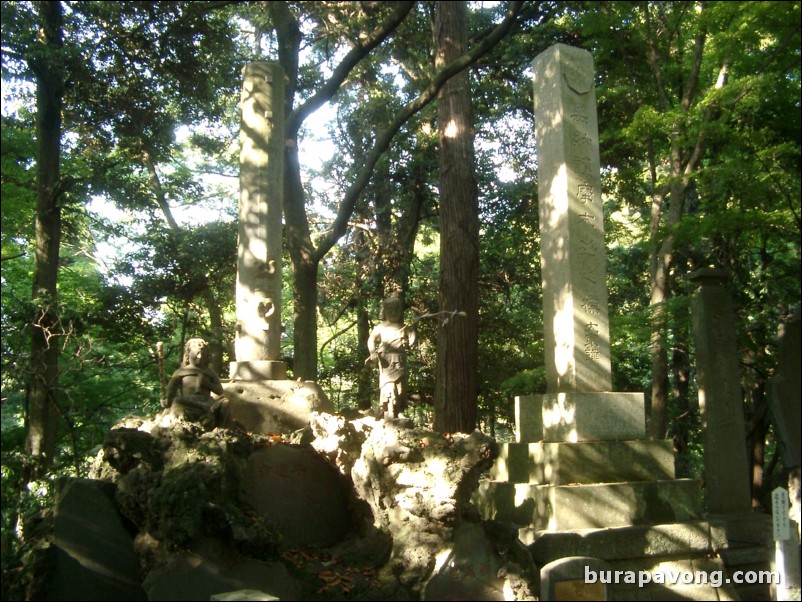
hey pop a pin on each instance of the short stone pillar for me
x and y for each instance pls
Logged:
(726, 463)
(786, 408)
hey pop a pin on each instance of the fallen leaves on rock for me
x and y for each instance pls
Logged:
(327, 569)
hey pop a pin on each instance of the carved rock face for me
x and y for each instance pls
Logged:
(300, 493)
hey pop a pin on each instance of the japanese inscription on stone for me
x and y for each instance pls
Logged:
(571, 222)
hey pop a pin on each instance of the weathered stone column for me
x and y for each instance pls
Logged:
(261, 399)
(579, 404)
(725, 456)
(577, 328)
(259, 283)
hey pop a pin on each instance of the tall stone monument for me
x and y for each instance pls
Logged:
(261, 399)
(579, 404)
(572, 254)
(258, 335)
(582, 483)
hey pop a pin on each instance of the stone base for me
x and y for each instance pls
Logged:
(584, 462)
(738, 544)
(258, 370)
(580, 416)
(621, 543)
(273, 406)
(562, 507)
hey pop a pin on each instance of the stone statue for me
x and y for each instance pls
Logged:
(388, 343)
(189, 390)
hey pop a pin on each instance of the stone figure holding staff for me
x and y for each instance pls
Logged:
(388, 344)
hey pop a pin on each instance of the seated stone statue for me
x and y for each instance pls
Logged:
(388, 343)
(189, 392)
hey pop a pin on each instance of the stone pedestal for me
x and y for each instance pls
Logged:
(258, 370)
(545, 463)
(273, 406)
(580, 416)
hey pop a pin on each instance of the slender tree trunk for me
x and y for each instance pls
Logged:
(216, 328)
(305, 349)
(389, 256)
(457, 340)
(305, 266)
(686, 418)
(364, 393)
(211, 302)
(661, 256)
(42, 407)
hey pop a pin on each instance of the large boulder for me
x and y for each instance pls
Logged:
(417, 485)
(93, 549)
(361, 509)
(304, 497)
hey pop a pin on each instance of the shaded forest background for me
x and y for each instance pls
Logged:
(119, 194)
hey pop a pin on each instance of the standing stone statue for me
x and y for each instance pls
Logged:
(388, 343)
(189, 392)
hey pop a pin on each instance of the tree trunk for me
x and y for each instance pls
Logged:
(217, 330)
(390, 259)
(364, 386)
(305, 264)
(305, 349)
(41, 418)
(686, 422)
(683, 160)
(457, 340)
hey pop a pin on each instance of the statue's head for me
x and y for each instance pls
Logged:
(392, 309)
(196, 353)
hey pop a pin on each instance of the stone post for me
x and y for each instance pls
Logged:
(261, 398)
(725, 457)
(258, 336)
(579, 404)
(577, 329)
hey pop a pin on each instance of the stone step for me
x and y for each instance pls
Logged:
(704, 546)
(748, 557)
(750, 560)
(545, 463)
(620, 543)
(691, 576)
(562, 507)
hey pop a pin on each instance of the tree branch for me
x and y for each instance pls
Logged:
(357, 53)
(384, 139)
